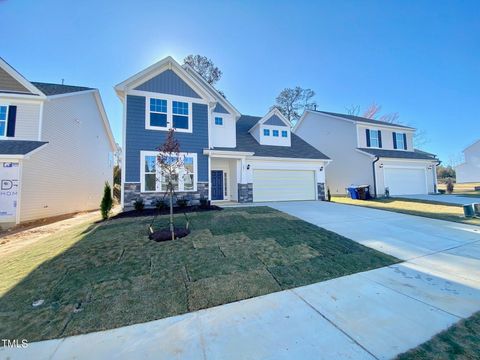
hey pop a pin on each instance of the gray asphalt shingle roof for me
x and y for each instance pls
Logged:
(247, 143)
(362, 119)
(58, 89)
(399, 154)
(19, 147)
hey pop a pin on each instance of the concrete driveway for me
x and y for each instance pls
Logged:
(371, 315)
(449, 199)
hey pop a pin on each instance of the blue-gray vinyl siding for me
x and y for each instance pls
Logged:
(168, 82)
(274, 120)
(220, 109)
(138, 138)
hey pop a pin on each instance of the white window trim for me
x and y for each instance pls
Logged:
(6, 121)
(378, 138)
(170, 100)
(143, 154)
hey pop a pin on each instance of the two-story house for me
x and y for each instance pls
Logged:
(469, 170)
(56, 148)
(369, 152)
(227, 156)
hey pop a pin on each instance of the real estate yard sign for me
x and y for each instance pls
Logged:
(8, 190)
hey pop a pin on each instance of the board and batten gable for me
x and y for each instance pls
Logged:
(338, 140)
(224, 134)
(387, 136)
(138, 138)
(168, 82)
(68, 174)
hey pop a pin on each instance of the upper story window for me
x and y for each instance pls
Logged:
(266, 132)
(158, 113)
(284, 133)
(153, 180)
(374, 138)
(3, 120)
(218, 121)
(165, 114)
(399, 141)
(180, 115)
(275, 133)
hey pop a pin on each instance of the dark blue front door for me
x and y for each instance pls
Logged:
(217, 185)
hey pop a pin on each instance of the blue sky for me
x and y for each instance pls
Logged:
(418, 58)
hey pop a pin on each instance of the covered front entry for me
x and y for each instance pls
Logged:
(405, 180)
(283, 185)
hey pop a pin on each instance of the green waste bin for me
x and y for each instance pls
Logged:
(468, 211)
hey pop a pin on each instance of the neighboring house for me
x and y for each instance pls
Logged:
(369, 152)
(469, 170)
(56, 148)
(228, 156)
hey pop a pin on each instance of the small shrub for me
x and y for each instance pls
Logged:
(203, 202)
(139, 205)
(450, 186)
(182, 203)
(107, 201)
(160, 205)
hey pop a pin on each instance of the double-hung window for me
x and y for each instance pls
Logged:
(400, 140)
(3, 120)
(374, 138)
(180, 115)
(266, 132)
(275, 133)
(158, 113)
(155, 180)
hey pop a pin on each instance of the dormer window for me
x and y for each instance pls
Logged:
(284, 133)
(374, 138)
(275, 133)
(266, 132)
(399, 141)
(218, 121)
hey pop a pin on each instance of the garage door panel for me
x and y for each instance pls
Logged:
(278, 185)
(405, 181)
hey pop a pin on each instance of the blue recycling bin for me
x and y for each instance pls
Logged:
(353, 192)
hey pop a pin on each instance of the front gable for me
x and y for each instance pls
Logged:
(9, 84)
(272, 129)
(274, 120)
(168, 82)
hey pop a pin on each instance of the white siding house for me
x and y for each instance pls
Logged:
(56, 152)
(469, 170)
(369, 152)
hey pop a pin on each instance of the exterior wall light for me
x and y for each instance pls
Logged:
(248, 167)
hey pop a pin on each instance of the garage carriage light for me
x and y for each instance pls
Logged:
(248, 167)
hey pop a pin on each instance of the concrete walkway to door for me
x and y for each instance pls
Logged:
(371, 315)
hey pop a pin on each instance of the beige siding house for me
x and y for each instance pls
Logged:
(469, 170)
(56, 148)
(369, 152)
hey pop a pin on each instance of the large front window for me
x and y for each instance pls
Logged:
(165, 114)
(3, 120)
(154, 180)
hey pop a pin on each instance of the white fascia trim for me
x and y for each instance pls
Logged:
(271, 158)
(380, 126)
(272, 112)
(106, 123)
(226, 153)
(17, 76)
(167, 63)
(53, 97)
(214, 92)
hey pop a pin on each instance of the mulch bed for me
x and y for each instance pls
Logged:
(166, 211)
(166, 235)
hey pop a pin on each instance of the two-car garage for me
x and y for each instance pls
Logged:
(283, 185)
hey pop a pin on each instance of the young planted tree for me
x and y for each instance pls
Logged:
(107, 201)
(171, 164)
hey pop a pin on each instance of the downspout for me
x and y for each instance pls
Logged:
(375, 176)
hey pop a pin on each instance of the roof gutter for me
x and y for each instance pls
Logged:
(375, 176)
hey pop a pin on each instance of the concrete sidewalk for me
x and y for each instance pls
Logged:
(375, 314)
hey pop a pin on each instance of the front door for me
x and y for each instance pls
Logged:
(217, 185)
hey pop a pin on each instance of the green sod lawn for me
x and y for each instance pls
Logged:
(101, 277)
(430, 209)
(461, 341)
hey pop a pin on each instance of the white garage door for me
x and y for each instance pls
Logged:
(405, 181)
(279, 185)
